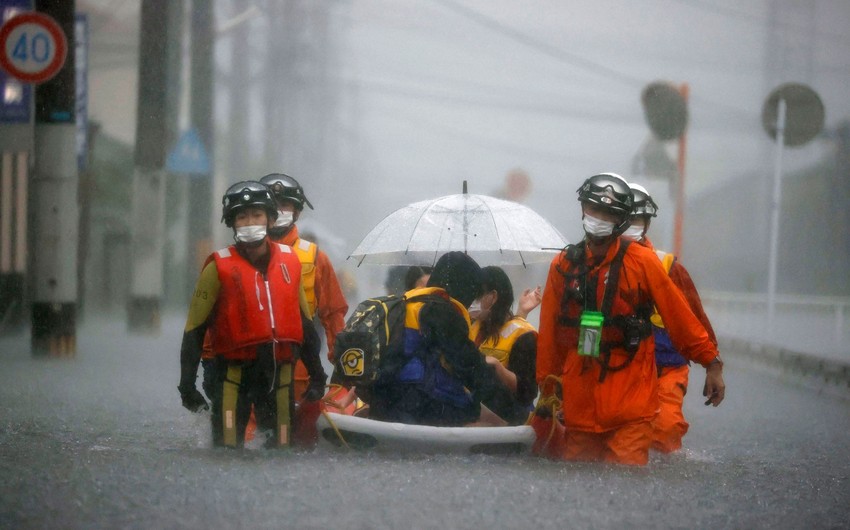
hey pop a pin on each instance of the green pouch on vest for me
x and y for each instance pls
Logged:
(590, 333)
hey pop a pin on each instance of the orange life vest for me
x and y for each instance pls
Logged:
(244, 317)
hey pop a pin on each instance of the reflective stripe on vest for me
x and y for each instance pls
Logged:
(307, 252)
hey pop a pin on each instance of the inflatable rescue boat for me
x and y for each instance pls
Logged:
(362, 433)
(342, 427)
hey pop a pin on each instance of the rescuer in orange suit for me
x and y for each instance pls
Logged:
(596, 336)
(670, 425)
(324, 294)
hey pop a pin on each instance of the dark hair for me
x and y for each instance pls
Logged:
(413, 274)
(459, 275)
(494, 278)
(394, 283)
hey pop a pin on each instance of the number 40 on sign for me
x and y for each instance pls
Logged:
(33, 47)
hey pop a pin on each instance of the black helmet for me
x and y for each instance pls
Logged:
(286, 188)
(608, 191)
(643, 203)
(246, 193)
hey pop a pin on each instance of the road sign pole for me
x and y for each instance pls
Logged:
(774, 214)
(679, 215)
(793, 115)
(16, 148)
(55, 212)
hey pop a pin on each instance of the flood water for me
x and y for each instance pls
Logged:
(102, 441)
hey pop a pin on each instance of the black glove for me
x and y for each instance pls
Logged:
(315, 391)
(192, 399)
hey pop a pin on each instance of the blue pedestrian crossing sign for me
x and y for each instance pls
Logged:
(189, 157)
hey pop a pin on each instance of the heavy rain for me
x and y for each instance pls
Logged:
(116, 152)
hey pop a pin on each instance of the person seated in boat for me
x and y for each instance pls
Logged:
(416, 276)
(508, 341)
(436, 375)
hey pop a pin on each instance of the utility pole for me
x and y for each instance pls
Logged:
(301, 104)
(239, 94)
(276, 87)
(153, 136)
(53, 199)
(201, 118)
(16, 147)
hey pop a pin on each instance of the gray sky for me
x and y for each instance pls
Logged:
(439, 91)
(468, 89)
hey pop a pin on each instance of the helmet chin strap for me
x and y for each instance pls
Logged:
(595, 240)
(620, 228)
(278, 232)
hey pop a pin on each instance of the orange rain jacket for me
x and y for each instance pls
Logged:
(331, 305)
(628, 395)
(683, 281)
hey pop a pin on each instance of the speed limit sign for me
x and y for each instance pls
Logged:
(32, 47)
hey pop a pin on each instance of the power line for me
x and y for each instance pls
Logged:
(759, 20)
(566, 57)
(547, 49)
(467, 101)
(441, 129)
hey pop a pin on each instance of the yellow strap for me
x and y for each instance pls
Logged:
(336, 429)
(667, 263)
(333, 403)
(284, 420)
(230, 396)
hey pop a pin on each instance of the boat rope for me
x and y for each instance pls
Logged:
(551, 403)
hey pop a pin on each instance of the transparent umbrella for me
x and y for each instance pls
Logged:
(492, 231)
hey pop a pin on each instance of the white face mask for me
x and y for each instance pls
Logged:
(284, 219)
(250, 234)
(597, 227)
(635, 233)
(475, 309)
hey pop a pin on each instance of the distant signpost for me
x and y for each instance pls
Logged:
(804, 114)
(792, 115)
(189, 156)
(33, 47)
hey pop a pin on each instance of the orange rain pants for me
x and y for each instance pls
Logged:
(670, 426)
(625, 445)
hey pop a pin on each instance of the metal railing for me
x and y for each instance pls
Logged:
(816, 325)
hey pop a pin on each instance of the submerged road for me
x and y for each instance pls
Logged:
(101, 441)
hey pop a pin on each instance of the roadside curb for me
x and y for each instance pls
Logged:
(827, 375)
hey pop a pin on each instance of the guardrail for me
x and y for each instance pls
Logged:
(816, 325)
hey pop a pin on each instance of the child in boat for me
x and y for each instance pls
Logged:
(440, 378)
(508, 341)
